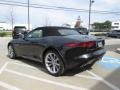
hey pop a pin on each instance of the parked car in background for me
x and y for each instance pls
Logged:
(18, 31)
(58, 48)
(114, 33)
(82, 30)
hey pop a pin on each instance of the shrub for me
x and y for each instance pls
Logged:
(100, 34)
(3, 34)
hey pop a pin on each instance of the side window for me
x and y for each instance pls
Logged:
(35, 34)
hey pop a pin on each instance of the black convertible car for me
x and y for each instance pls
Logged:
(58, 48)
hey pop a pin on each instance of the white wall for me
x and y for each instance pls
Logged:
(116, 25)
(8, 26)
(5, 26)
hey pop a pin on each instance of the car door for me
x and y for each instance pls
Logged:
(34, 44)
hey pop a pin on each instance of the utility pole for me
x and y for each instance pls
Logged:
(12, 19)
(90, 4)
(28, 15)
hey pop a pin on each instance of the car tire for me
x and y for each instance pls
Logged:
(54, 63)
(11, 52)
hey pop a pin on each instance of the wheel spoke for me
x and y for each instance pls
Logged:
(48, 62)
(54, 69)
(57, 64)
(57, 61)
(50, 65)
(57, 68)
(51, 56)
(54, 57)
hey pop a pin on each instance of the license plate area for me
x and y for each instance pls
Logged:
(100, 44)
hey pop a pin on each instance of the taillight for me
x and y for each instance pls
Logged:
(82, 44)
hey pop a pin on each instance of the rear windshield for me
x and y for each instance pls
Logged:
(59, 32)
(20, 28)
(65, 32)
(81, 29)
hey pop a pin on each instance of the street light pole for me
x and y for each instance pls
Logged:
(91, 1)
(28, 15)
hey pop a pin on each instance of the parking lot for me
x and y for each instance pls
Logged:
(22, 74)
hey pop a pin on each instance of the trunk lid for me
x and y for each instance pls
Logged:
(81, 38)
(99, 43)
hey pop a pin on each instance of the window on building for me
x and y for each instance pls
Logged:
(116, 23)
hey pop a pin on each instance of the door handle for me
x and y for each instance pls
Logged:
(34, 42)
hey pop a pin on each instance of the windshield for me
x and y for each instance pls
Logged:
(68, 32)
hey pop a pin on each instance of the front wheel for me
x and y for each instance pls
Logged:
(53, 63)
(11, 52)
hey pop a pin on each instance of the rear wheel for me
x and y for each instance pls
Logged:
(11, 52)
(53, 63)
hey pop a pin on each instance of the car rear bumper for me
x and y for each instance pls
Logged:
(84, 59)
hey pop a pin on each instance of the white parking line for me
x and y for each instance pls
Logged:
(93, 74)
(3, 84)
(77, 75)
(46, 81)
(95, 77)
(88, 77)
(3, 67)
(9, 87)
(23, 65)
(104, 81)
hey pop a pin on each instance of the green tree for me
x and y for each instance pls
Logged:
(107, 25)
(102, 26)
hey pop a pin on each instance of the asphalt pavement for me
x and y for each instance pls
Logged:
(23, 74)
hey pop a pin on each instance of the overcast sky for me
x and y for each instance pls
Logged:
(58, 17)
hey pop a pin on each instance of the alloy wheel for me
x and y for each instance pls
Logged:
(11, 52)
(52, 63)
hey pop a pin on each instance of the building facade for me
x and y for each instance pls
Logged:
(5, 26)
(116, 25)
